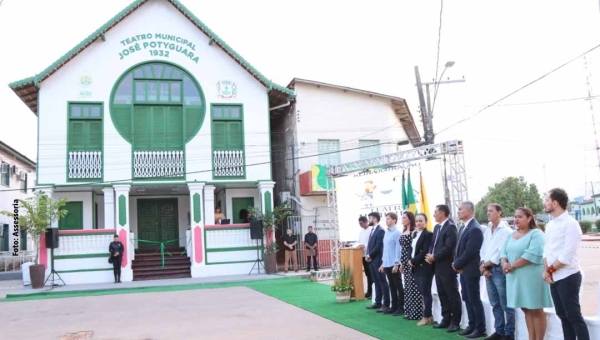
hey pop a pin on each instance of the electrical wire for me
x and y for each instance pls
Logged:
(518, 90)
(437, 63)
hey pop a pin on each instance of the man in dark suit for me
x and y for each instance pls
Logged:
(466, 263)
(422, 270)
(374, 258)
(441, 255)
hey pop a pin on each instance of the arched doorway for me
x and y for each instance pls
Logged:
(157, 107)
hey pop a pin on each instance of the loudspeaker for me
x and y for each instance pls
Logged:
(52, 238)
(256, 230)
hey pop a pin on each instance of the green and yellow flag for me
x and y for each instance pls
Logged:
(411, 202)
(425, 203)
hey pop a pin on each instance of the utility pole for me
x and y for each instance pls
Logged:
(426, 107)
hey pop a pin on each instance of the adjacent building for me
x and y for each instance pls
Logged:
(17, 177)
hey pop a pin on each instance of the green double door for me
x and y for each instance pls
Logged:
(158, 222)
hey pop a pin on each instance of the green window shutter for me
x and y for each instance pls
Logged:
(235, 136)
(76, 135)
(74, 218)
(159, 133)
(122, 120)
(193, 120)
(174, 127)
(219, 135)
(94, 135)
(141, 130)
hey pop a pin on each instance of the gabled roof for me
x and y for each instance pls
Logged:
(27, 89)
(399, 104)
(16, 155)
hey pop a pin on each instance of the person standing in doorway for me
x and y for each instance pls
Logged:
(441, 256)
(494, 238)
(391, 266)
(116, 250)
(290, 241)
(310, 243)
(374, 256)
(219, 215)
(466, 263)
(561, 264)
(363, 243)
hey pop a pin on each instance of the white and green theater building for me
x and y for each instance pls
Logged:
(146, 127)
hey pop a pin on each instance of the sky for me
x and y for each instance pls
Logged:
(543, 133)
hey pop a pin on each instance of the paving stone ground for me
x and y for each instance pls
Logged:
(227, 313)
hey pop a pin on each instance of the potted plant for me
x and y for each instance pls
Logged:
(36, 213)
(342, 285)
(270, 258)
(271, 221)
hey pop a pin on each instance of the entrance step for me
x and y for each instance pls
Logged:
(147, 264)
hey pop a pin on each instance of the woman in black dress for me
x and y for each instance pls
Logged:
(413, 301)
(116, 250)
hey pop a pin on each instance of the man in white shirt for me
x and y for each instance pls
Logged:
(494, 239)
(563, 235)
(363, 242)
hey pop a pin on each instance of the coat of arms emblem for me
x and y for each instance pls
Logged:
(227, 89)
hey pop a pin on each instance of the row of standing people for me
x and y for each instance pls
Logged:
(524, 269)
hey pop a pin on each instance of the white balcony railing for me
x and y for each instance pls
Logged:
(85, 164)
(229, 163)
(158, 164)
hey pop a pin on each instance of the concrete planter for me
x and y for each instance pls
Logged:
(270, 263)
(37, 273)
(343, 296)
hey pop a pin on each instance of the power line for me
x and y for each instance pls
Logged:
(519, 89)
(199, 171)
(437, 63)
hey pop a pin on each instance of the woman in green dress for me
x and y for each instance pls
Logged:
(522, 260)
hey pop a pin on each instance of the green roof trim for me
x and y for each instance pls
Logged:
(35, 80)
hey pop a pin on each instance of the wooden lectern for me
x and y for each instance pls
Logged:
(352, 258)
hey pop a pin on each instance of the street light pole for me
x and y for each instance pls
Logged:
(426, 107)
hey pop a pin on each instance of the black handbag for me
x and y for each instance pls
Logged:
(110, 259)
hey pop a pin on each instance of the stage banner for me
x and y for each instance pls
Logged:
(361, 193)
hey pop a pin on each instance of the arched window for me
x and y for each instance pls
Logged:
(157, 106)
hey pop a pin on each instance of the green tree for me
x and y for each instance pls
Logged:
(511, 193)
(35, 214)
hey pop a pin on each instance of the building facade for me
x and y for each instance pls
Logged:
(146, 127)
(325, 125)
(17, 177)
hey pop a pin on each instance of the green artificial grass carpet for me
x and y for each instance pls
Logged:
(310, 296)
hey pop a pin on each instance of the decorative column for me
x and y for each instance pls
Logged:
(196, 228)
(122, 218)
(266, 204)
(109, 208)
(209, 204)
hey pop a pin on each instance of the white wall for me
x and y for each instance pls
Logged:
(183, 208)
(327, 113)
(102, 63)
(11, 193)
(86, 198)
(231, 193)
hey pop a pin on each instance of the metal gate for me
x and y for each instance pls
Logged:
(322, 227)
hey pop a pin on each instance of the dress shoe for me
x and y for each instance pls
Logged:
(390, 311)
(397, 313)
(497, 336)
(452, 328)
(476, 335)
(441, 325)
(467, 331)
(382, 309)
(509, 337)
(374, 306)
(368, 295)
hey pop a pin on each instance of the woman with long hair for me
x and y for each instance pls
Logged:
(413, 301)
(421, 269)
(522, 260)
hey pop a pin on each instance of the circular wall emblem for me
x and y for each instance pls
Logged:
(85, 81)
